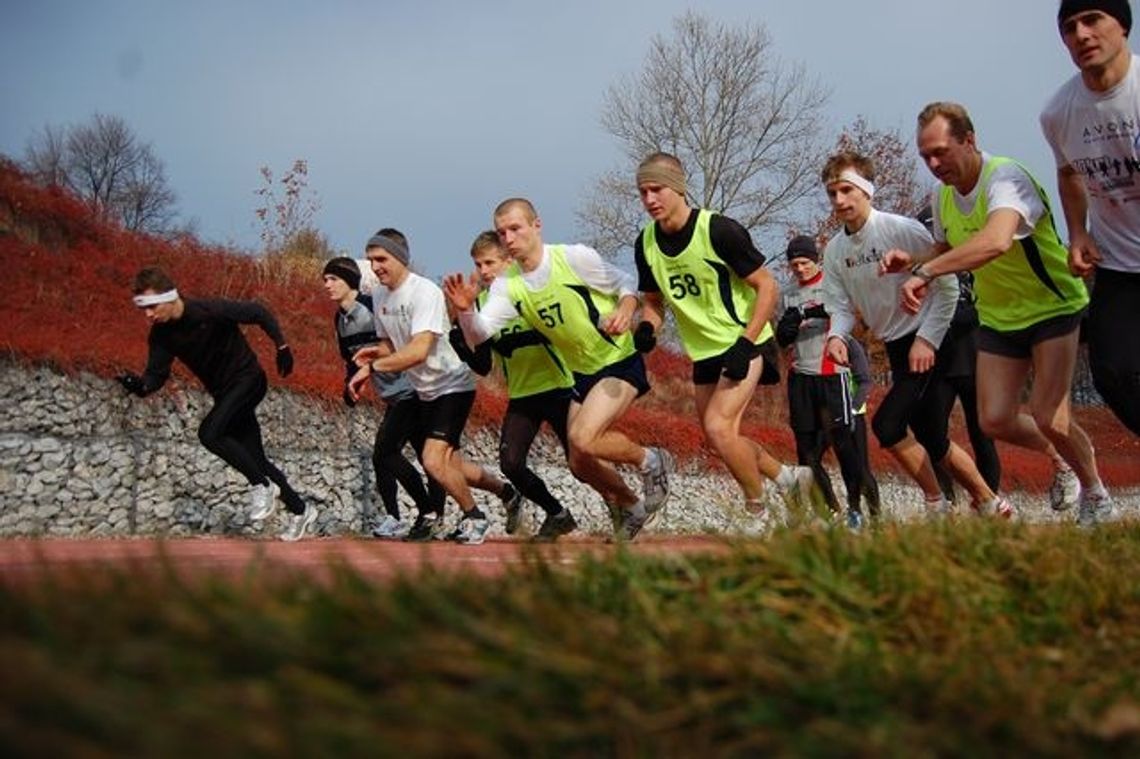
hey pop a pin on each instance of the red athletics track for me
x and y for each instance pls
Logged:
(27, 558)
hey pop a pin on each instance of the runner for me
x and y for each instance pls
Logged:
(583, 306)
(411, 317)
(1092, 124)
(991, 217)
(205, 336)
(539, 387)
(703, 267)
(821, 407)
(355, 329)
(912, 419)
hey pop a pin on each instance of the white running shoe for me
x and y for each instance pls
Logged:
(998, 507)
(1095, 509)
(800, 496)
(655, 481)
(299, 524)
(1065, 492)
(391, 528)
(263, 501)
(936, 510)
(471, 531)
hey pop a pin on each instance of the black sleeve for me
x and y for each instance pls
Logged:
(646, 282)
(733, 244)
(248, 312)
(158, 362)
(479, 359)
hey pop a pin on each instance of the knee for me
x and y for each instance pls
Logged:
(719, 433)
(512, 464)
(209, 435)
(435, 462)
(887, 431)
(581, 443)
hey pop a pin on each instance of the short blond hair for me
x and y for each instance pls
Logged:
(486, 239)
(512, 204)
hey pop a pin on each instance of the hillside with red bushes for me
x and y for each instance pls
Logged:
(66, 302)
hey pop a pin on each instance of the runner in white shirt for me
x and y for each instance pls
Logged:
(411, 318)
(1092, 124)
(912, 419)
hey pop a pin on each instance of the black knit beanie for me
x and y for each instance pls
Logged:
(344, 268)
(802, 246)
(1118, 9)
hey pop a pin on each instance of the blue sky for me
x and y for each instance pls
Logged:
(424, 115)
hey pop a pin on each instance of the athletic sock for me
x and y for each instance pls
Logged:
(786, 478)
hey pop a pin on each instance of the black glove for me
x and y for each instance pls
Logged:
(789, 327)
(347, 396)
(770, 368)
(735, 361)
(284, 361)
(643, 338)
(815, 312)
(132, 383)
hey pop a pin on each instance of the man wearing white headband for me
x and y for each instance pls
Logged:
(913, 418)
(993, 218)
(206, 336)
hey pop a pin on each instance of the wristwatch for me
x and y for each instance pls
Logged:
(918, 271)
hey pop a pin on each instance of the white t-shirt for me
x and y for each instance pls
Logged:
(1009, 187)
(851, 282)
(594, 271)
(416, 306)
(1098, 134)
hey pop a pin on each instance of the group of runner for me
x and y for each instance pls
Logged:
(569, 331)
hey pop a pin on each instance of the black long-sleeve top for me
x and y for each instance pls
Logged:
(208, 340)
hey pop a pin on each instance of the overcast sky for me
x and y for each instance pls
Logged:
(423, 115)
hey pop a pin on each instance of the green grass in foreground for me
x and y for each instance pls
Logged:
(978, 639)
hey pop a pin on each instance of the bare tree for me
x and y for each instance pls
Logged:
(110, 168)
(747, 126)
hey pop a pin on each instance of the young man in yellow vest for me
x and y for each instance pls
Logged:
(539, 388)
(1092, 124)
(991, 217)
(703, 267)
(583, 305)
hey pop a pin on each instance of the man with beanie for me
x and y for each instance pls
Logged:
(992, 217)
(703, 267)
(912, 421)
(411, 321)
(584, 306)
(821, 408)
(354, 327)
(205, 335)
(1092, 124)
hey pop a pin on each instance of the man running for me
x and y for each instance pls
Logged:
(821, 407)
(993, 218)
(204, 335)
(703, 267)
(355, 329)
(411, 318)
(539, 388)
(583, 305)
(913, 418)
(1092, 124)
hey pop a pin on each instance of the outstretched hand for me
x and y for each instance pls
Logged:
(461, 291)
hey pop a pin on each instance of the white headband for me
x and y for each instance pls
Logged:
(154, 299)
(864, 184)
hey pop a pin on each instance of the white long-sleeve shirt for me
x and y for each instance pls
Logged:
(851, 282)
(594, 271)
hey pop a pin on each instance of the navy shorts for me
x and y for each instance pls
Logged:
(630, 369)
(1019, 343)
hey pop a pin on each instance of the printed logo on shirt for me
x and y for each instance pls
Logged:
(1108, 172)
(863, 259)
(1110, 130)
